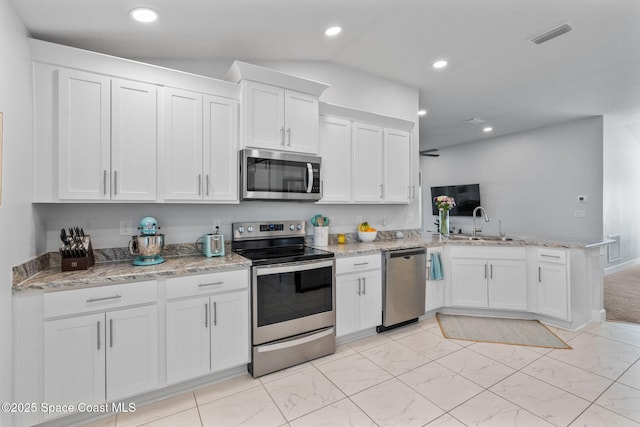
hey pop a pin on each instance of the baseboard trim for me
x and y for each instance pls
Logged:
(622, 266)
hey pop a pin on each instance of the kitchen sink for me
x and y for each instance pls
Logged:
(481, 238)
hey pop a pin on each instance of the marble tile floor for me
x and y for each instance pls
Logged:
(414, 377)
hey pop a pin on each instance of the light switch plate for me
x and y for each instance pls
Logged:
(126, 228)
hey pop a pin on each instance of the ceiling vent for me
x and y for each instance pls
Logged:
(475, 121)
(551, 34)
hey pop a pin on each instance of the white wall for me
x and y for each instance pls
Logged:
(622, 187)
(16, 218)
(184, 223)
(529, 180)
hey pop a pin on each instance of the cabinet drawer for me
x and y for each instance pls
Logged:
(178, 287)
(99, 298)
(556, 256)
(485, 252)
(358, 263)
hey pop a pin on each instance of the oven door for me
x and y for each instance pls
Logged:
(273, 175)
(292, 298)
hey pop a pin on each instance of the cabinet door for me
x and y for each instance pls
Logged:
(553, 290)
(335, 150)
(347, 305)
(220, 149)
(397, 166)
(508, 284)
(132, 351)
(182, 145)
(469, 282)
(188, 339)
(367, 155)
(301, 122)
(83, 136)
(264, 116)
(133, 140)
(370, 299)
(229, 330)
(74, 360)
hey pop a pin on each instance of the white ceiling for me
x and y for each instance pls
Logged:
(495, 73)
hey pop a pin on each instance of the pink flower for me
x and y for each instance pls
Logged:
(444, 203)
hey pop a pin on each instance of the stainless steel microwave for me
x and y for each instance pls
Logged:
(278, 175)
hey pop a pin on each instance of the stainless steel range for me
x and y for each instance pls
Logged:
(292, 294)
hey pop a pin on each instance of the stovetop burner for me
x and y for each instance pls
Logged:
(274, 243)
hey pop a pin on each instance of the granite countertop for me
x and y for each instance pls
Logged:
(122, 271)
(113, 272)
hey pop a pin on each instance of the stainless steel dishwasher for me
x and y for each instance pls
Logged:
(403, 288)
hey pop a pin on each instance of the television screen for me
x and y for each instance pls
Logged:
(467, 198)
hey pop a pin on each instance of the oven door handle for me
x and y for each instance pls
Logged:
(292, 267)
(312, 336)
(309, 177)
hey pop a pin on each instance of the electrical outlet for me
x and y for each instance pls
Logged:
(358, 219)
(410, 218)
(332, 220)
(580, 214)
(126, 228)
(383, 221)
(217, 223)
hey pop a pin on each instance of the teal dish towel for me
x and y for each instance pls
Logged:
(435, 272)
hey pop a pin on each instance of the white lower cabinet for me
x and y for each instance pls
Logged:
(553, 283)
(103, 356)
(497, 282)
(207, 333)
(358, 294)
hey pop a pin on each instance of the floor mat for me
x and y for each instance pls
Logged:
(498, 330)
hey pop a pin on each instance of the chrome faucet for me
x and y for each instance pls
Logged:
(486, 219)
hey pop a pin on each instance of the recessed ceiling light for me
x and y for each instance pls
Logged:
(487, 129)
(440, 64)
(333, 31)
(422, 112)
(143, 14)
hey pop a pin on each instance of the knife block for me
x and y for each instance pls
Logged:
(80, 263)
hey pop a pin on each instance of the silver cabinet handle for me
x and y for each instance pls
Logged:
(215, 314)
(98, 327)
(408, 192)
(199, 184)
(207, 184)
(115, 183)
(110, 332)
(282, 135)
(104, 298)
(359, 287)
(413, 191)
(491, 272)
(485, 271)
(550, 256)
(202, 285)
(381, 191)
(539, 274)
(360, 263)
(289, 137)
(104, 182)
(364, 286)
(206, 315)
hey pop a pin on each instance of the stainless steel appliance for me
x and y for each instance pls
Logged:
(149, 244)
(276, 175)
(404, 287)
(292, 294)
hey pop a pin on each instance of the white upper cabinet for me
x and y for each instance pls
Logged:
(134, 123)
(368, 177)
(84, 136)
(280, 119)
(106, 138)
(200, 147)
(335, 149)
(397, 166)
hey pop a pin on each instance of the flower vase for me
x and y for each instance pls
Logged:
(444, 223)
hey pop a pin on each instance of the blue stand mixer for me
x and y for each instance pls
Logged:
(148, 244)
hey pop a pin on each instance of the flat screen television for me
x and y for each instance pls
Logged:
(467, 198)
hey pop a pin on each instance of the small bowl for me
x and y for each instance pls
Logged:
(367, 236)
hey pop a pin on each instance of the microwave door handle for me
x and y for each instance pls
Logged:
(309, 177)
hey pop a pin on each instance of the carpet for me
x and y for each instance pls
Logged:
(622, 295)
(497, 330)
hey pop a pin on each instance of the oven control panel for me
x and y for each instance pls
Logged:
(268, 230)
